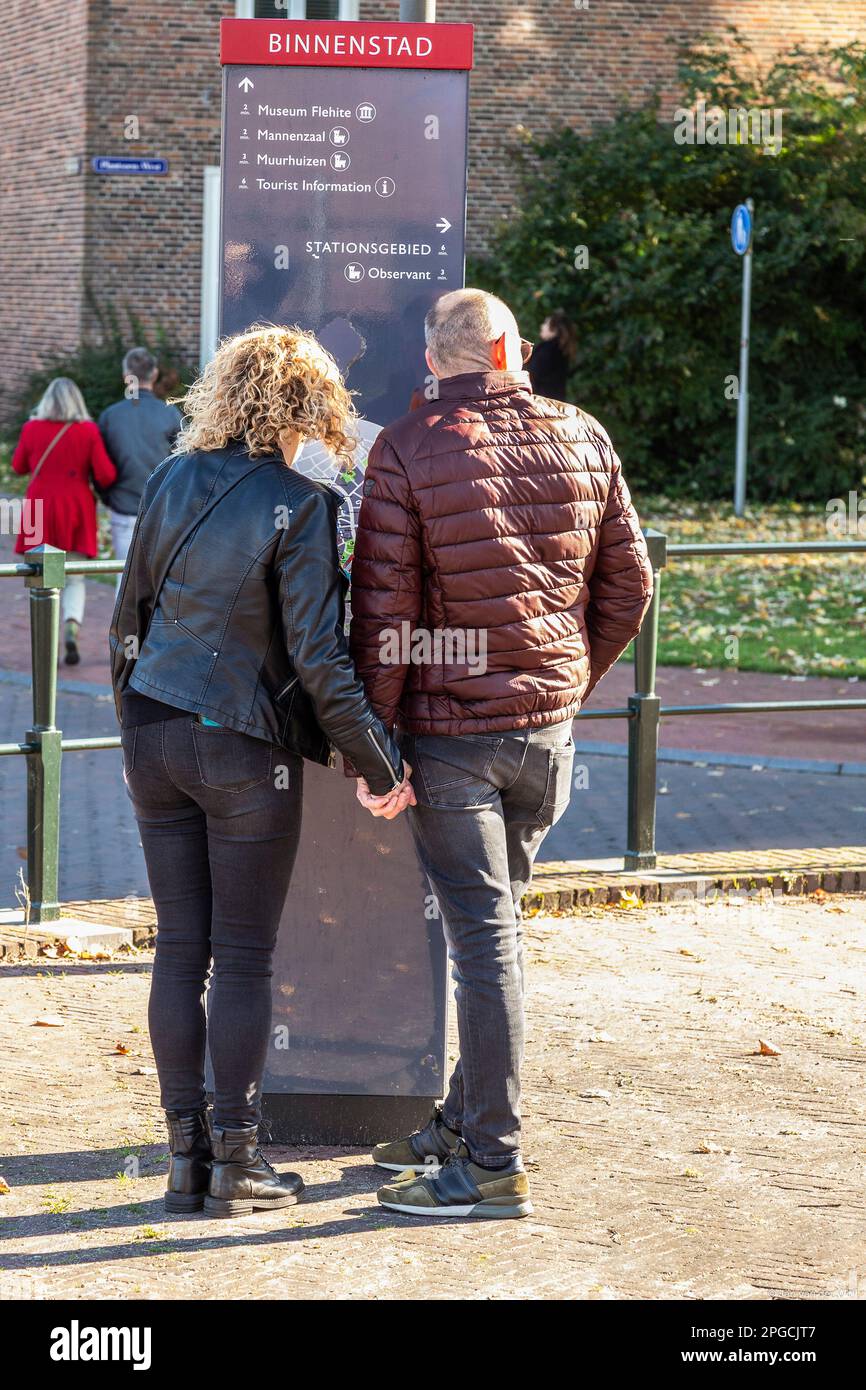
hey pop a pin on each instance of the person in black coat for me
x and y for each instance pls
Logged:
(553, 357)
(230, 666)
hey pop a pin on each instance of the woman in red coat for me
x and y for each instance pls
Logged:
(61, 448)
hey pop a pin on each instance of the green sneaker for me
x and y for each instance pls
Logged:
(427, 1148)
(461, 1188)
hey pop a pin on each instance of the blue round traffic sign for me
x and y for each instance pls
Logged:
(741, 229)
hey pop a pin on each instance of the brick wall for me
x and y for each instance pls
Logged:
(158, 62)
(43, 72)
(70, 75)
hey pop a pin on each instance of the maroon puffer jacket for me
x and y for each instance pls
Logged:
(499, 519)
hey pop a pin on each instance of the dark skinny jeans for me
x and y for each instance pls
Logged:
(219, 814)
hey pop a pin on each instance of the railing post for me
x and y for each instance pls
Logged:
(643, 727)
(43, 765)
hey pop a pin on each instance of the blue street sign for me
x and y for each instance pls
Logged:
(741, 229)
(126, 164)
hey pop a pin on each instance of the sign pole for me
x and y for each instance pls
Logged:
(741, 229)
(421, 11)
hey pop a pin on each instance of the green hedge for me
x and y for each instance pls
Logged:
(657, 309)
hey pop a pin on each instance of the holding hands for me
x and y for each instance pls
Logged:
(391, 805)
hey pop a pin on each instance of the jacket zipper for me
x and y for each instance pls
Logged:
(395, 781)
(286, 688)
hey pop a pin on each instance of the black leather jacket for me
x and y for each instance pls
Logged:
(239, 614)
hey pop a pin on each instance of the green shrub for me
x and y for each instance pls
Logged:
(95, 366)
(657, 310)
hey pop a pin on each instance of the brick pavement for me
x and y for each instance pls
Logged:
(668, 1159)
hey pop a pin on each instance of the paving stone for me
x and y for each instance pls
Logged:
(626, 1204)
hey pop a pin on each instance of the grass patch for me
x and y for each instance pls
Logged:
(789, 614)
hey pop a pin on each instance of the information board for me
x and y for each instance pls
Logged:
(343, 211)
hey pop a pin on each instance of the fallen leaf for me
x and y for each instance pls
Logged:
(597, 1094)
(122, 1049)
(50, 1021)
(628, 899)
(766, 1049)
(5, 1189)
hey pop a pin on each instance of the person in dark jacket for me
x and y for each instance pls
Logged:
(498, 539)
(230, 666)
(553, 357)
(138, 432)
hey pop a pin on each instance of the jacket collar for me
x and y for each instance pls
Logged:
(471, 385)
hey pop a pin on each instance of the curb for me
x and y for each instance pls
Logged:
(569, 894)
(564, 894)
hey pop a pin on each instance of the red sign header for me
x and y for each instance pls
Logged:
(345, 44)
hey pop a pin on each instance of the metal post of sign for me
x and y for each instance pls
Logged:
(43, 765)
(418, 11)
(743, 392)
(643, 727)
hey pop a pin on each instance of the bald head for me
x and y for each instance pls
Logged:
(461, 330)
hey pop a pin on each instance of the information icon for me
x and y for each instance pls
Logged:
(339, 135)
(385, 187)
(366, 111)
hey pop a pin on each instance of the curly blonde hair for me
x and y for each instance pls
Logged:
(263, 382)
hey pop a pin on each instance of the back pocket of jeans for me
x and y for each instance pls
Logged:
(453, 771)
(558, 791)
(229, 761)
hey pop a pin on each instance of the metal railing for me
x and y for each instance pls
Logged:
(45, 571)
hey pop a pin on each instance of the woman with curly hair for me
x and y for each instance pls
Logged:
(230, 666)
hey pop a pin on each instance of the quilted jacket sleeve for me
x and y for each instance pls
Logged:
(386, 580)
(621, 584)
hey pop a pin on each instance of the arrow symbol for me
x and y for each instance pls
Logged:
(443, 224)
(245, 84)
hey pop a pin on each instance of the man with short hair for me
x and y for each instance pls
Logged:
(503, 516)
(138, 432)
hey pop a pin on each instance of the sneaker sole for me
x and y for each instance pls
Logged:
(488, 1211)
(224, 1206)
(408, 1167)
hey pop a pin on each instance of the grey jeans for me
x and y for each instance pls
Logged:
(485, 803)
